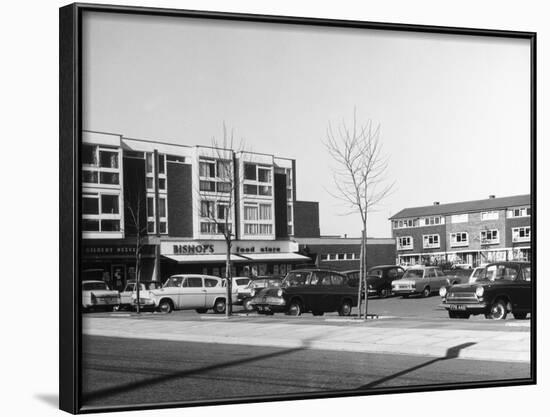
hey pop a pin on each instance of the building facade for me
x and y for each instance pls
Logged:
(468, 233)
(170, 205)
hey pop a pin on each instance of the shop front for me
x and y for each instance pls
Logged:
(115, 263)
(248, 258)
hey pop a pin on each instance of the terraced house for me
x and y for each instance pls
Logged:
(467, 233)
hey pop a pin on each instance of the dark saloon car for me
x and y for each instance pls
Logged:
(244, 295)
(316, 290)
(379, 279)
(504, 287)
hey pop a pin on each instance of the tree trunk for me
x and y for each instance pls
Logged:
(229, 298)
(138, 255)
(359, 289)
(364, 262)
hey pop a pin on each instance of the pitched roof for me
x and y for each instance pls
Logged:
(464, 207)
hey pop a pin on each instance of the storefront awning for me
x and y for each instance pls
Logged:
(199, 259)
(279, 256)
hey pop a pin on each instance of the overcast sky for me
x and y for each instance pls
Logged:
(453, 110)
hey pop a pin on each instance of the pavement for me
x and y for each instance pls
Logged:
(504, 343)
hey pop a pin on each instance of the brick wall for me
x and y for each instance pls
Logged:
(306, 219)
(180, 200)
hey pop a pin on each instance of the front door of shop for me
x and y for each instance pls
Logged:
(118, 277)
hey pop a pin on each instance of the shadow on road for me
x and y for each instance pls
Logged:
(98, 394)
(452, 353)
(51, 399)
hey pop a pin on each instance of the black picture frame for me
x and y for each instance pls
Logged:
(70, 122)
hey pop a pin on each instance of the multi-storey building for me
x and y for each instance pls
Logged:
(178, 200)
(471, 232)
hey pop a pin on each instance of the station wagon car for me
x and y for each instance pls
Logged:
(98, 295)
(315, 290)
(504, 287)
(189, 292)
(423, 280)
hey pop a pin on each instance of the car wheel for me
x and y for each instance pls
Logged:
(295, 308)
(384, 292)
(201, 310)
(498, 311)
(247, 305)
(426, 292)
(166, 306)
(219, 306)
(345, 309)
(520, 315)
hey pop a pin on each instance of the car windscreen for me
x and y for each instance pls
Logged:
(129, 287)
(413, 273)
(274, 283)
(375, 272)
(152, 285)
(90, 286)
(173, 282)
(501, 272)
(294, 279)
(241, 281)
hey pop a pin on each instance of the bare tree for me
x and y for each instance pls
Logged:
(217, 206)
(138, 228)
(359, 177)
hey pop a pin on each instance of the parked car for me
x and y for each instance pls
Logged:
(128, 294)
(244, 295)
(379, 279)
(98, 295)
(238, 283)
(504, 287)
(476, 274)
(315, 290)
(423, 280)
(189, 292)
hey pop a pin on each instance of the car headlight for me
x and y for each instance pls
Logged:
(252, 293)
(480, 291)
(443, 291)
(280, 292)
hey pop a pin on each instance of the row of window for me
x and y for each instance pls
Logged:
(459, 218)
(458, 239)
(339, 256)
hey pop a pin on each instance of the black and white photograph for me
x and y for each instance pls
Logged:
(276, 209)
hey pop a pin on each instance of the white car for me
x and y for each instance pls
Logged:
(238, 284)
(188, 292)
(128, 295)
(97, 294)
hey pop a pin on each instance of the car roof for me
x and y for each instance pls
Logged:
(510, 263)
(87, 281)
(193, 275)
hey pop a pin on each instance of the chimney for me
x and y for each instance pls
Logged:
(436, 203)
(492, 196)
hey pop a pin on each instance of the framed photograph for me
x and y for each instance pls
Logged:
(262, 208)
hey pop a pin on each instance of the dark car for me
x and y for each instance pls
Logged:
(379, 279)
(504, 287)
(244, 295)
(316, 290)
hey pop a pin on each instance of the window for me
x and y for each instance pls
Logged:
(289, 230)
(223, 169)
(431, 221)
(519, 212)
(521, 234)
(489, 237)
(89, 225)
(459, 218)
(108, 159)
(175, 158)
(89, 155)
(349, 256)
(250, 212)
(207, 169)
(405, 242)
(149, 163)
(209, 282)
(264, 175)
(430, 241)
(459, 239)
(150, 207)
(289, 213)
(266, 229)
(90, 204)
(251, 189)
(222, 210)
(265, 211)
(401, 224)
(489, 215)
(264, 190)
(341, 256)
(90, 177)
(207, 186)
(223, 187)
(289, 194)
(110, 178)
(249, 172)
(207, 208)
(110, 225)
(149, 183)
(209, 228)
(109, 204)
(162, 183)
(324, 257)
(162, 207)
(162, 162)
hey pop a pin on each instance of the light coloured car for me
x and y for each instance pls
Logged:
(238, 284)
(128, 294)
(188, 292)
(423, 280)
(98, 295)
